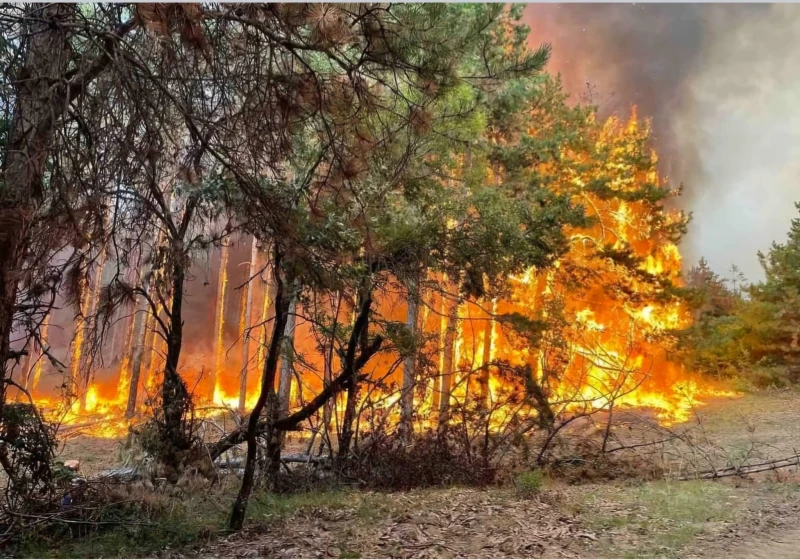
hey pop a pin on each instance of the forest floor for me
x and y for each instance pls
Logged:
(757, 516)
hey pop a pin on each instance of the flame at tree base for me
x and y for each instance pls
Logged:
(606, 304)
(103, 417)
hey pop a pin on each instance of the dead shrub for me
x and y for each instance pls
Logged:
(582, 460)
(391, 462)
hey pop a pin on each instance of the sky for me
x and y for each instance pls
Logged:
(721, 84)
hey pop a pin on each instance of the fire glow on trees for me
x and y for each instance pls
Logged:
(591, 333)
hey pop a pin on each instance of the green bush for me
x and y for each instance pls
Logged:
(529, 483)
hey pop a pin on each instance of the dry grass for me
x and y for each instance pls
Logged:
(622, 518)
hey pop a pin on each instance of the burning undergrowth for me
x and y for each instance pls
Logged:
(593, 332)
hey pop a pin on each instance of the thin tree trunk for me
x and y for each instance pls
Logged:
(287, 358)
(25, 372)
(117, 325)
(123, 383)
(140, 323)
(94, 299)
(327, 413)
(158, 348)
(76, 345)
(219, 323)
(268, 301)
(351, 405)
(139, 332)
(266, 393)
(122, 337)
(487, 354)
(409, 366)
(327, 376)
(39, 363)
(447, 363)
(246, 342)
(149, 342)
(437, 381)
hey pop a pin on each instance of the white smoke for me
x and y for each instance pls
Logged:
(742, 117)
(722, 84)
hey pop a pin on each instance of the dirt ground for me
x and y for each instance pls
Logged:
(757, 516)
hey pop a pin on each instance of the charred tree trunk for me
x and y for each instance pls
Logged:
(348, 422)
(538, 398)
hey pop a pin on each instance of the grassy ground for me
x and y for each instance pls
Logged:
(627, 518)
(678, 519)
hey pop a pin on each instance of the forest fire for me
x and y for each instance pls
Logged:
(252, 255)
(607, 345)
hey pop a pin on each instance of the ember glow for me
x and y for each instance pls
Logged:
(609, 349)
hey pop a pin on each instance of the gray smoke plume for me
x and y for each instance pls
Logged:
(722, 86)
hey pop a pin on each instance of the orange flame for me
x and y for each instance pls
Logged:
(607, 349)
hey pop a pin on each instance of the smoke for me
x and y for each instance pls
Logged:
(722, 86)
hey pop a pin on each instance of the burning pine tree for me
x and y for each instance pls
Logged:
(603, 315)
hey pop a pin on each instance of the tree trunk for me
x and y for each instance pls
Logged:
(287, 358)
(174, 396)
(25, 372)
(94, 299)
(140, 322)
(246, 341)
(487, 355)
(39, 362)
(352, 365)
(158, 347)
(219, 324)
(269, 299)
(351, 405)
(327, 413)
(76, 346)
(441, 304)
(409, 366)
(447, 363)
(266, 393)
(46, 51)
(149, 342)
